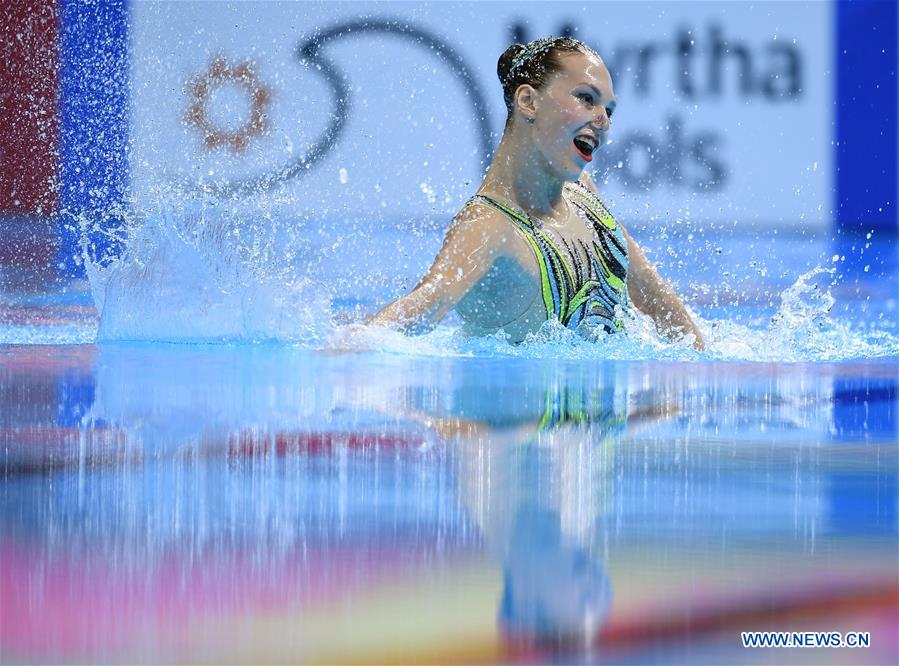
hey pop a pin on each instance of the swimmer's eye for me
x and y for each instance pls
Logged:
(587, 97)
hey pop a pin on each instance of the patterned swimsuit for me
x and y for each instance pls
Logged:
(581, 285)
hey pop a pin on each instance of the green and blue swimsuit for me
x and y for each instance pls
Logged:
(581, 285)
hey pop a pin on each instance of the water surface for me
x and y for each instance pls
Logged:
(186, 503)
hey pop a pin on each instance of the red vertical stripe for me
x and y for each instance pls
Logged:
(29, 34)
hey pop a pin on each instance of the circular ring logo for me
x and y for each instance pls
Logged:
(218, 75)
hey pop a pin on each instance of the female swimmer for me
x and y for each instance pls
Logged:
(536, 242)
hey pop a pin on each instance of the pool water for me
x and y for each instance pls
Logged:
(438, 500)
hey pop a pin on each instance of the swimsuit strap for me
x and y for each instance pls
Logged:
(586, 199)
(612, 248)
(556, 278)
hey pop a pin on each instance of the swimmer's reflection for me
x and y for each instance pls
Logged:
(531, 450)
(536, 474)
(555, 592)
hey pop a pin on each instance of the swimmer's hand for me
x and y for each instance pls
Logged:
(654, 297)
(357, 338)
(351, 339)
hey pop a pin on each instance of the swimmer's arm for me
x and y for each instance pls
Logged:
(468, 252)
(653, 296)
(650, 294)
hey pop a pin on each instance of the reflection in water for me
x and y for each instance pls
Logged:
(215, 504)
(535, 475)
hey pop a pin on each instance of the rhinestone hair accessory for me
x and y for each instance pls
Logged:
(532, 49)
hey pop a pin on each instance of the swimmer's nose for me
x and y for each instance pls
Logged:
(602, 121)
(606, 120)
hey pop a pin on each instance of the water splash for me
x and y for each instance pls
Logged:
(800, 330)
(194, 277)
(805, 305)
(204, 275)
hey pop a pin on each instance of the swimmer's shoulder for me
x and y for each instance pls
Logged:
(478, 211)
(479, 221)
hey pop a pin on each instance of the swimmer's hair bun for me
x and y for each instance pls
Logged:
(504, 64)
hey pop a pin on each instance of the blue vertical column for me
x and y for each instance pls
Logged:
(94, 129)
(865, 409)
(865, 413)
(866, 83)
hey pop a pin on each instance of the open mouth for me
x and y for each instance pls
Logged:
(585, 145)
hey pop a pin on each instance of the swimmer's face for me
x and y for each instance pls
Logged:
(572, 114)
